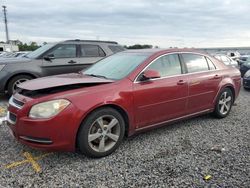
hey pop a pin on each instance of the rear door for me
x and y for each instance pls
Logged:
(203, 82)
(161, 99)
(90, 54)
(63, 60)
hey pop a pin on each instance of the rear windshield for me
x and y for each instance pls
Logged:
(247, 62)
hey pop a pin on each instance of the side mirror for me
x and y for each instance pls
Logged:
(150, 74)
(49, 57)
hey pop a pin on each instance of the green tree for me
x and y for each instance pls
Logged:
(139, 46)
(28, 47)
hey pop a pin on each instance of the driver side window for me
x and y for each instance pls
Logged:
(167, 65)
(64, 51)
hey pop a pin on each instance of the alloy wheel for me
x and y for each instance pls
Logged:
(14, 87)
(104, 133)
(225, 103)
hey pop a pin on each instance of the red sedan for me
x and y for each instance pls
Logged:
(119, 96)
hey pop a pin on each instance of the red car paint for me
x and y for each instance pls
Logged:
(146, 104)
(62, 80)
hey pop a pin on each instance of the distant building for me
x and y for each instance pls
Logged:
(15, 42)
(8, 47)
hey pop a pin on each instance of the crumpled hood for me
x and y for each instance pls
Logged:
(14, 60)
(61, 80)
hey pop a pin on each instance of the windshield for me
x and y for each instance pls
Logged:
(247, 62)
(117, 66)
(39, 51)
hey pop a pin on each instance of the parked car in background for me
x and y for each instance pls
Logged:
(226, 60)
(51, 59)
(235, 55)
(246, 80)
(13, 54)
(123, 94)
(6, 54)
(243, 59)
(244, 67)
(21, 53)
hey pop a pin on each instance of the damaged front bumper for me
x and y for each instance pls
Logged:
(52, 134)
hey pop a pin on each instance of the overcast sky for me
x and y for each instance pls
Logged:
(182, 23)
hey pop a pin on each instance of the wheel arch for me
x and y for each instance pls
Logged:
(230, 86)
(121, 110)
(233, 91)
(18, 74)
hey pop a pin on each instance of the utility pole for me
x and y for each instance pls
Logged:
(6, 24)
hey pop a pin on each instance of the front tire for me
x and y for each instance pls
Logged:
(224, 103)
(101, 133)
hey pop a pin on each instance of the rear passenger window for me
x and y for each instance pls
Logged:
(218, 57)
(195, 63)
(88, 50)
(210, 64)
(167, 65)
(225, 60)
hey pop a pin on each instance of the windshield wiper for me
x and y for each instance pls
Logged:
(98, 76)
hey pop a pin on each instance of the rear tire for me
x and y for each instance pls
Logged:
(101, 133)
(224, 103)
(12, 85)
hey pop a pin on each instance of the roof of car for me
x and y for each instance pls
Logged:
(170, 50)
(94, 41)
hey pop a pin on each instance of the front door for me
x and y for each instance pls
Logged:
(63, 59)
(161, 99)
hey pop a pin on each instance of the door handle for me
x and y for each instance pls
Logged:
(217, 76)
(181, 82)
(72, 62)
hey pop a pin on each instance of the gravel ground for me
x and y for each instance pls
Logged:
(3, 106)
(178, 155)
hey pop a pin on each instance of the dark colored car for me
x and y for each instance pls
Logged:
(246, 80)
(244, 67)
(242, 59)
(51, 59)
(123, 94)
